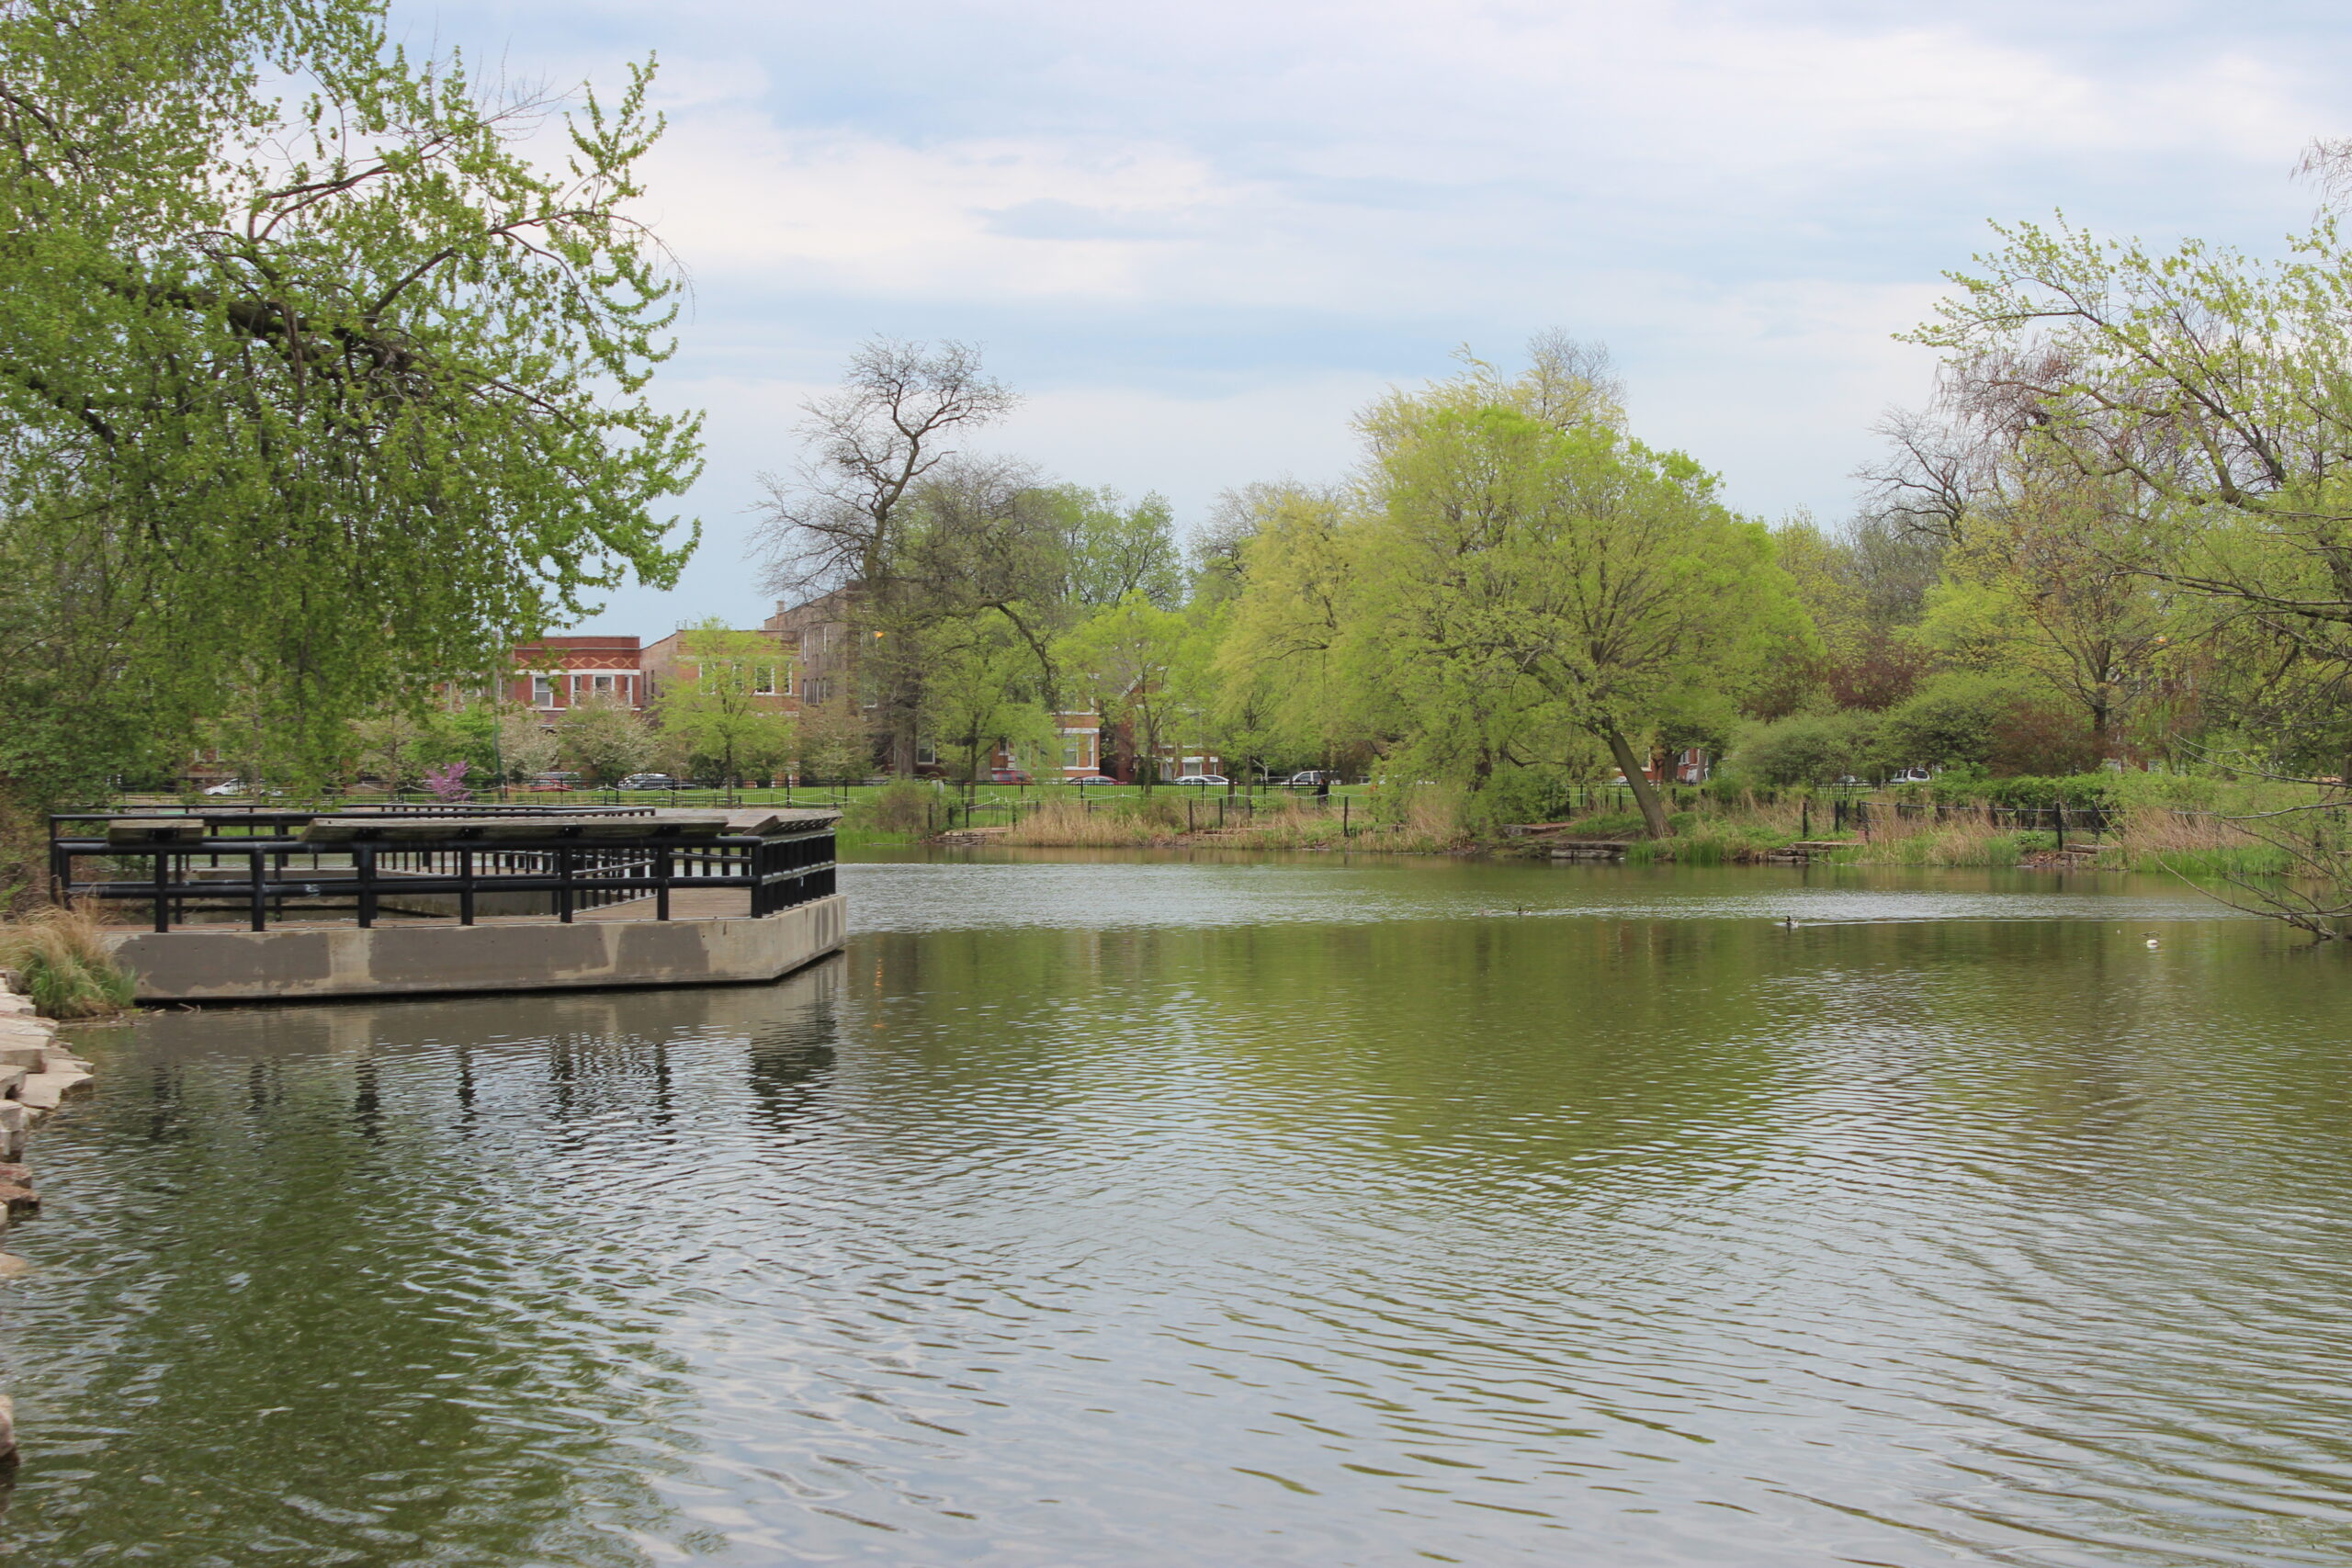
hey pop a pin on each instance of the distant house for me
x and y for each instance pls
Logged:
(816, 635)
(669, 664)
(558, 672)
(1691, 765)
(1080, 737)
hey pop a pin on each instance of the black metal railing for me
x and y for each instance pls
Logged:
(194, 873)
(2088, 820)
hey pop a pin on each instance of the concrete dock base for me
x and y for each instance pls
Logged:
(295, 964)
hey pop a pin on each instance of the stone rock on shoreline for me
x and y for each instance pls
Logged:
(35, 1074)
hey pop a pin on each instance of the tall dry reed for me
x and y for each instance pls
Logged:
(61, 956)
(2193, 844)
(1970, 837)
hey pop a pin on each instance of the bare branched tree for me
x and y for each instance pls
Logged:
(2327, 163)
(1941, 462)
(835, 519)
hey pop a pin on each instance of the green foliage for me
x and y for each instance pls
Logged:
(721, 719)
(1610, 825)
(1147, 668)
(316, 388)
(1112, 549)
(1952, 721)
(1808, 750)
(2030, 790)
(978, 681)
(1534, 572)
(903, 806)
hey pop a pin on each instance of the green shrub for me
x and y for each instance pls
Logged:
(2041, 790)
(903, 806)
(1952, 721)
(1997, 725)
(1810, 749)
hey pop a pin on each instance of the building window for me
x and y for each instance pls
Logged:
(603, 685)
(763, 679)
(543, 691)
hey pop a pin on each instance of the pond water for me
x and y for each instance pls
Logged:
(1122, 1210)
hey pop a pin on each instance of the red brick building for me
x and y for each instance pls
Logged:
(554, 672)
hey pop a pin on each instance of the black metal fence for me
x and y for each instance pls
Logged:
(251, 870)
(2088, 821)
(1201, 811)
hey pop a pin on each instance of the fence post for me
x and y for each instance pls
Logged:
(563, 893)
(362, 864)
(2060, 812)
(1345, 829)
(465, 888)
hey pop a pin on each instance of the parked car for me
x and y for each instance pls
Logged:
(649, 781)
(1315, 776)
(1216, 780)
(1010, 776)
(1912, 775)
(1093, 779)
(227, 786)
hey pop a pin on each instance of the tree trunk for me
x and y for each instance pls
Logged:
(1645, 793)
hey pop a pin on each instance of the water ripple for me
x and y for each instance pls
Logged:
(1174, 1212)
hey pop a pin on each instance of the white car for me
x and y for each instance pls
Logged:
(1218, 779)
(227, 786)
(1912, 775)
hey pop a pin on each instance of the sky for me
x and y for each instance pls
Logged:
(1197, 238)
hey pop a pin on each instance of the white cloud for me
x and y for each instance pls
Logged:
(1209, 232)
(1002, 215)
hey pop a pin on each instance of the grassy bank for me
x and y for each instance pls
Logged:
(2160, 834)
(1280, 824)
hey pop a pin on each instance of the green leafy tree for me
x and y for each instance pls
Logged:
(1145, 667)
(1280, 662)
(1112, 550)
(723, 718)
(1519, 564)
(314, 385)
(2204, 389)
(977, 695)
(1812, 749)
